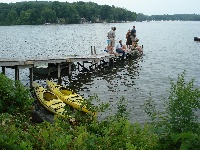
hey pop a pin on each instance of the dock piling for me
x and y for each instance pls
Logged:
(91, 51)
(95, 51)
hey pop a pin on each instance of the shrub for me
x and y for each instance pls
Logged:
(115, 132)
(14, 97)
(178, 125)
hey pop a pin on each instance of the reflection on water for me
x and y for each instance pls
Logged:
(169, 49)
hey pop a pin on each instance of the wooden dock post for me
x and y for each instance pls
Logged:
(31, 76)
(16, 73)
(49, 70)
(91, 51)
(95, 51)
(4, 70)
(69, 67)
(59, 70)
(78, 66)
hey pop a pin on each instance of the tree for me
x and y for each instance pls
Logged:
(48, 15)
(4, 10)
(39, 12)
(25, 17)
(71, 15)
(105, 12)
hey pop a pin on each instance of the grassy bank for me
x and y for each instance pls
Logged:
(177, 127)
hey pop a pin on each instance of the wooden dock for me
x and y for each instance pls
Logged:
(17, 64)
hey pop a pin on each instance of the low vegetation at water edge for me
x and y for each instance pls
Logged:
(177, 127)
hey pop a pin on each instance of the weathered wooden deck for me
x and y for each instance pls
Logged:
(17, 64)
(22, 64)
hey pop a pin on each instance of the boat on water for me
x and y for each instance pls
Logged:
(196, 38)
(49, 100)
(70, 97)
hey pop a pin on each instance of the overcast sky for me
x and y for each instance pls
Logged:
(147, 7)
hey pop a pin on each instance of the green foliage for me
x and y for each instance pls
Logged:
(115, 132)
(122, 111)
(175, 128)
(61, 135)
(166, 17)
(40, 12)
(178, 125)
(183, 17)
(181, 106)
(14, 97)
(186, 140)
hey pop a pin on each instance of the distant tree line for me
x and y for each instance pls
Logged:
(40, 12)
(182, 17)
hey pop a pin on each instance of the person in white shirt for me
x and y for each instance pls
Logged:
(120, 48)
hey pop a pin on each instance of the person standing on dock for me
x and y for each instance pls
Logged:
(109, 49)
(133, 36)
(111, 36)
(128, 39)
(113, 40)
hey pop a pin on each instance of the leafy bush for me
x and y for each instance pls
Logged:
(115, 132)
(61, 135)
(14, 97)
(176, 128)
(178, 125)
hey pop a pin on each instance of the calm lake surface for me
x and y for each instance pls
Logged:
(169, 49)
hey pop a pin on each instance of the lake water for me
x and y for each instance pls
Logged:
(169, 49)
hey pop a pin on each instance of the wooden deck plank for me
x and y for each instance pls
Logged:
(11, 63)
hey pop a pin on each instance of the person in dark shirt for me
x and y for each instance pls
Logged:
(133, 36)
(128, 39)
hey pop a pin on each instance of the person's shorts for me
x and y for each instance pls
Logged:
(108, 41)
(133, 38)
(112, 40)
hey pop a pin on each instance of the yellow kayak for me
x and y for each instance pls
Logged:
(49, 100)
(69, 97)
